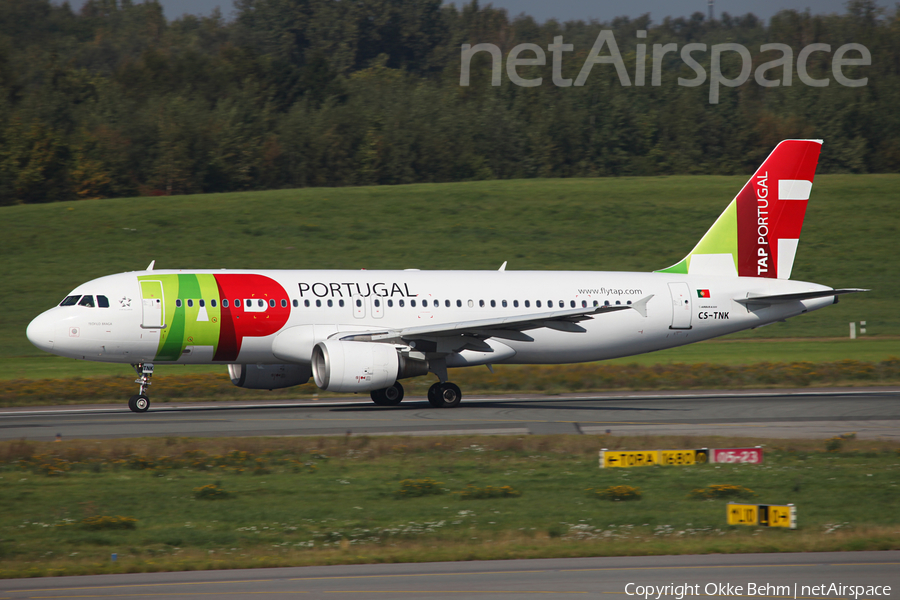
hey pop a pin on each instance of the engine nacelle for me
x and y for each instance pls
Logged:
(268, 377)
(354, 366)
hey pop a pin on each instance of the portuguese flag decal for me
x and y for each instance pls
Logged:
(703, 293)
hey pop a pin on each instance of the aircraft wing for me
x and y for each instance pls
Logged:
(782, 298)
(511, 328)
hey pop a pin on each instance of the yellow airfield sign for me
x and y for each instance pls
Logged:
(680, 457)
(763, 515)
(629, 458)
(646, 458)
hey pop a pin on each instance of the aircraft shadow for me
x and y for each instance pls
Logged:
(539, 405)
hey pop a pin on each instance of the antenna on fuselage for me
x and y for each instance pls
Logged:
(150, 266)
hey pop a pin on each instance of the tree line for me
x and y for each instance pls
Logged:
(116, 100)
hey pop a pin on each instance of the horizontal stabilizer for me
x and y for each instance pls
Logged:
(783, 298)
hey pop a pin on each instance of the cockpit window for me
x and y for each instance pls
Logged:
(87, 301)
(102, 301)
(70, 301)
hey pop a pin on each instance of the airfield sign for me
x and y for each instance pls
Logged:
(763, 515)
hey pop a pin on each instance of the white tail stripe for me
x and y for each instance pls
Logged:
(787, 250)
(721, 265)
(794, 189)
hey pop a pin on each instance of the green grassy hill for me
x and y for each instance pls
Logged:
(850, 237)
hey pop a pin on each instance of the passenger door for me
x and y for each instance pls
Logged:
(153, 305)
(681, 306)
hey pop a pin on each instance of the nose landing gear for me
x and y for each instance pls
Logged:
(141, 402)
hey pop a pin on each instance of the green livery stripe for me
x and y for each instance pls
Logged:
(195, 325)
(721, 238)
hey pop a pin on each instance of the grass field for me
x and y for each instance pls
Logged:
(304, 501)
(639, 224)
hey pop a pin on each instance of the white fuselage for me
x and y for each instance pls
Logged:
(134, 328)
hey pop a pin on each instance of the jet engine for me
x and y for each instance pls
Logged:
(268, 377)
(340, 366)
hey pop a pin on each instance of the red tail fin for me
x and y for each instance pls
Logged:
(771, 207)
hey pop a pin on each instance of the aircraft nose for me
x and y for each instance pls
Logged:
(40, 332)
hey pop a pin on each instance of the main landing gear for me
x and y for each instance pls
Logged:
(444, 395)
(440, 395)
(141, 402)
(391, 396)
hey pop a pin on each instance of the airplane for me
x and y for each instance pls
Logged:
(364, 331)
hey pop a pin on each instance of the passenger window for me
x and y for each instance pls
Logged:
(471, 304)
(527, 304)
(493, 304)
(481, 303)
(572, 303)
(272, 303)
(87, 301)
(538, 303)
(295, 303)
(618, 303)
(515, 304)
(341, 303)
(283, 303)
(306, 303)
(412, 303)
(358, 302)
(562, 303)
(606, 303)
(224, 302)
(178, 303)
(596, 303)
(212, 303)
(629, 302)
(390, 303)
(401, 304)
(318, 304)
(330, 303)
(503, 303)
(260, 303)
(377, 303)
(584, 304)
(102, 301)
(202, 302)
(237, 303)
(447, 303)
(190, 303)
(459, 304)
(70, 301)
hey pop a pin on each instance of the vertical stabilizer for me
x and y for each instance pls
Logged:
(758, 234)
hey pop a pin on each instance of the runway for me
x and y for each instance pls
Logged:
(710, 576)
(870, 413)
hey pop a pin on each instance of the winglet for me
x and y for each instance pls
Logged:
(503, 266)
(150, 266)
(641, 305)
